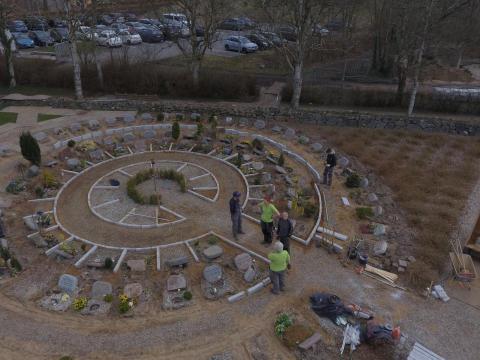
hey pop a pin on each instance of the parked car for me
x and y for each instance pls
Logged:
(320, 30)
(119, 26)
(240, 44)
(130, 37)
(261, 41)
(288, 32)
(105, 20)
(130, 17)
(36, 23)
(41, 38)
(17, 26)
(273, 39)
(150, 34)
(57, 23)
(232, 24)
(59, 34)
(85, 33)
(22, 40)
(247, 22)
(108, 38)
(172, 18)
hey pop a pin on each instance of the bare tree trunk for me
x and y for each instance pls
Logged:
(11, 69)
(297, 84)
(77, 72)
(98, 66)
(460, 57)
(418, 66)
(196, 73)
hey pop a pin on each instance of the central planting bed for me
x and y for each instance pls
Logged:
(145, 175)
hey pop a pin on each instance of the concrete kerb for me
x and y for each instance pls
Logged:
(319, 218)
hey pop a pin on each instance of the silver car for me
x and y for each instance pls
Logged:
(108, 38)
(129, 37)
(240, 44)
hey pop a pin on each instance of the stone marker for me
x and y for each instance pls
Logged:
(177, 261)
(137, 265)
(73, 164)
(147, 117)
(289, 133)
(75, 127)
(40, 136)
(228, 120)
(128, 119)
(96, 154)
(372, 197)
(316, 147)
(243, 261)
(243, 122)
(343, 161)
(149, 134)
(364, 183)
(411, 259)
(133, 290)
(280, 170)
(30, 223)
(213, 252)
(68, 283)
(111, 121)
(304, 140)
(402, 263)
(33, 171)
(213, 273)
(260, 124)
(39, 241)
(289, 180)
(257, 165)
(379, 230)
(277, 129)
(249, 275)
(176, 282)
(246, 157)
(127, 137)
(377, 210)
(100, 289)
(380, 247)
(93, 124)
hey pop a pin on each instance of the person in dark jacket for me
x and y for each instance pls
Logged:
(330, 164)
(236, 215)
(284, 231)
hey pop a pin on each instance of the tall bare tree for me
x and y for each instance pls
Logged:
(205, 16)
(7, 8)
(301, 17)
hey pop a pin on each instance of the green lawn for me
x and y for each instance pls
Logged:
(45, 117)
(7, 117)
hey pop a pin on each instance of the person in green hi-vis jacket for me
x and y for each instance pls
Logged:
(266, 220)
(279, 263)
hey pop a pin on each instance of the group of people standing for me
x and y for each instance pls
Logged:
(280, 256)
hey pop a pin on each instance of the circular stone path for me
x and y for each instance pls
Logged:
(75, 216)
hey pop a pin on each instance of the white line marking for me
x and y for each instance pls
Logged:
(106, 187)
(124, 173)
(120, 260)
(109, 155)
(158, 259)
(200, 195)
(87, 254)
(204, 188)
(192, 251)
(44, 199)
(106, 203)
(170, 147)
(181, 167)
(230, 157)
(199, 177)
(53, 248)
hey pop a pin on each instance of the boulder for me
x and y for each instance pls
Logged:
(289, 133)
(213, 252)
(33, 171)
(260, 124)
(364, 183)
(249, 275)
(212, 273)
(343, 162)
(73, 164)
(372, 197)
(243, 261)
(316, 147)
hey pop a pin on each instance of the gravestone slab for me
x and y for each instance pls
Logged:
(243, 122)
(246, 157)
(195, 116)
(213, 252)
(96, 307)
(243, 261)
(316, 147)
(249, 275)
(176, 282)
(212, 273)
(257, 165)
(289, 180)
(40, 136)
(56, 302)
(68, 283)
(75, 127)
(30, 222)
(260, 124)
(140, 145)
(177, 261)
(291, 193)
(93, 124)
(100, 289)
(73, 164)
(380, 247)
(137, 265)
(127, 137)
(39, 241)
(133, 290)
(266, 178)
(379, 230)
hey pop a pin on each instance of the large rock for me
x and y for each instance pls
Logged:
(260, 124)
(73, 164)
(364, 183)
(93, 124)
(133, 290)
(380, 247)
(249, 275)
(316, 147)
(243, 261)
(343, 162)
(30, 222)
(372, 197)
(213, 252)
(100, 289)
(137, 265)
(33, 171)
(289, 133)
(212, 273)
(68, 283)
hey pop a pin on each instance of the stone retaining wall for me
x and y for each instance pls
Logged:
(326, 118)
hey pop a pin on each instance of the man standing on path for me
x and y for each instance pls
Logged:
(279, 262)
(236, 215)
(266, 220)
(284, 231)
(330, 164)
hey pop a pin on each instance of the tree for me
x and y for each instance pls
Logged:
(301, 17)
(7, 8)
(204, 15)
(175, 130)
(30, 149)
